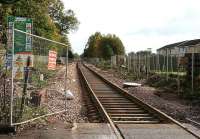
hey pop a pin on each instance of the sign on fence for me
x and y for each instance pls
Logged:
(8, 61)
(52, 60)
(22, 42)
(20, 61)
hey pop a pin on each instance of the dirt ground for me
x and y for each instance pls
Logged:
(76, 111)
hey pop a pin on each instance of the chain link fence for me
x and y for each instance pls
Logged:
(33, 76)
(4, 89)
(174, 70)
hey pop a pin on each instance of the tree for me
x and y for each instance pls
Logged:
(92, 45)
(64, 20)
(47, 22)
(103, 46)
(107, 51)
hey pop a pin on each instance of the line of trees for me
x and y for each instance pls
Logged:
(103, 46)
(50, 19)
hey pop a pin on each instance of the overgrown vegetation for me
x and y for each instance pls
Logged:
(177, 82)
(178, 85)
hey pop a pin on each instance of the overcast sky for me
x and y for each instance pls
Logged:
(140, 24)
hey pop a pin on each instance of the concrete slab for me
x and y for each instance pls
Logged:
(155, 131)
(81, 131)
(131, 84)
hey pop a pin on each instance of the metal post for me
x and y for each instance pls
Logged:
(111, 66)
(171, 63)
(178, 80)
(167, 65)
(192, 70)
(139, 63)
(65, 80)
(128, 63)
(12, 77)
(147, 65)
(163, 66)
(158, 64)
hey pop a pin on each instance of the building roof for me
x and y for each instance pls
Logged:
(181, 44)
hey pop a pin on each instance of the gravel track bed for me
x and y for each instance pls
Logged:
(76, 112)
(54, 102)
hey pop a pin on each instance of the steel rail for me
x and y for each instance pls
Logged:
(152, 109)
(100, 106)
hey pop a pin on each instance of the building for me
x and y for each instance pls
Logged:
(180, 48)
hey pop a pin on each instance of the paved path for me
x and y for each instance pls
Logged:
(59, 131)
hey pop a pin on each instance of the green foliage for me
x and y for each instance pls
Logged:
(49, 18)
(103, 46)
(92, 45)
(171, 85)
(64, 20)
(76, 55)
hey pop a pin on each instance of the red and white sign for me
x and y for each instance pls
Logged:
(52, 60)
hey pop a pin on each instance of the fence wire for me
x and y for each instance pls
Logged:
(174, 70)
(4, 90)
(34, 77)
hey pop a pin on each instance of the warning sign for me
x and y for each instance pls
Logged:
(52, 60)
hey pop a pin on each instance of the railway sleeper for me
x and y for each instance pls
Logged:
(134, 114)
(114, 101)
(109, 96)
(122, 106)
(141, 118)
(137, 122)
(126, 112)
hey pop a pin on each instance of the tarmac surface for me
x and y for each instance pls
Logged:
(59, 131)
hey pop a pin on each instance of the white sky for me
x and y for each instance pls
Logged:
(140, 24)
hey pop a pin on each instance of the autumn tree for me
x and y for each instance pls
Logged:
(50, 20)
(65, 20)
(93, 44)
(103, 46)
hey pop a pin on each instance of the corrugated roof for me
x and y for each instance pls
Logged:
(180, 44)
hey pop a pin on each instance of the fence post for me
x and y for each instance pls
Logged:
(171, 62)
(167, 65)
(192, 70)
(158, 65)
(12, 77)
(128, 63)
(65, 80)
(178, 80)
(139, 64)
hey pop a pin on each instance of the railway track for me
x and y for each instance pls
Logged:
(120, 108)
